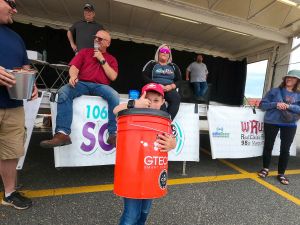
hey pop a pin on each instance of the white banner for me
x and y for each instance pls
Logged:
(237, 132)
(89, 134)
(31, 109)
(188, 139)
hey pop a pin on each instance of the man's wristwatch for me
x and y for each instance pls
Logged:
(102, 62)
(130, 104)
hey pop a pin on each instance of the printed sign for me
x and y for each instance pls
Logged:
(89, 134)
(186, 128)
(237, 132)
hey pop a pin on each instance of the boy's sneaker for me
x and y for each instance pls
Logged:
(17, 201)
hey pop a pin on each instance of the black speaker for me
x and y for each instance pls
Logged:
(185, 91)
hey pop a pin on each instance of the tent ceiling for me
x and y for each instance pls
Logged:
(266, 22)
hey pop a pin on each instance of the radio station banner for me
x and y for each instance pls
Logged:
(237, 132)
(89, 134)
(31, 109)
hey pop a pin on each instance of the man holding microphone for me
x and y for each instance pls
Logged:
(91, 72)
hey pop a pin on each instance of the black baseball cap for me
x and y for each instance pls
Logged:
(88, 6)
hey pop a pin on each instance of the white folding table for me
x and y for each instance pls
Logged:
(41, 64)
(61, 70)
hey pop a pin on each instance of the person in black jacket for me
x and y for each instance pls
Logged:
(161, 70)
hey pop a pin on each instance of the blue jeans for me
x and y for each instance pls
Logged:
(200, 88)
(135, 211)
(65, 103)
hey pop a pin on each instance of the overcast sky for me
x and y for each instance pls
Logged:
(295, 56)
(256, 73)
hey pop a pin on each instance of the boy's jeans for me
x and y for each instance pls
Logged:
(135, 211)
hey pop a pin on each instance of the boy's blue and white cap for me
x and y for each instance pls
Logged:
(293, 73)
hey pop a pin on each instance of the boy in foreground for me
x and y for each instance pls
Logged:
(137, 210)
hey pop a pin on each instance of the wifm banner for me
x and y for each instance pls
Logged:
(89, 134)
(237, 132)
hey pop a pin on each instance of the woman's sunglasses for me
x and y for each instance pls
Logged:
(165, 50)
(11, 3)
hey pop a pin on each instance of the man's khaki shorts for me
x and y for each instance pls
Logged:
(12, 133)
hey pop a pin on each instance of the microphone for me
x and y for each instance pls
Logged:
(96, 46)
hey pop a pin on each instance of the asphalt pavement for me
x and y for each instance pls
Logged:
(218, 192)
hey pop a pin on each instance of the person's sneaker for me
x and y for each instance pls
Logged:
(59, 139)
(17, 201)
(112, 139)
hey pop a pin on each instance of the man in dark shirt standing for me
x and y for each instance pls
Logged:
(83, 31)
(12, 119)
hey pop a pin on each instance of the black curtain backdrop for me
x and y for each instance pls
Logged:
(227, 77)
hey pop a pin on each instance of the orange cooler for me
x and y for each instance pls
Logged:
(141, 170)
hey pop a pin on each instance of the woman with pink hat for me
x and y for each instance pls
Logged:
(161, 70)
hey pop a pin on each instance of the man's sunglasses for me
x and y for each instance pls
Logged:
(99, 38)
(11, 3)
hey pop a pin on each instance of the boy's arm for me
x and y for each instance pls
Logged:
(142, 102)
(120, 107)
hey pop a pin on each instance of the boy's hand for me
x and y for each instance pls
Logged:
(142, 102)
(166, 142)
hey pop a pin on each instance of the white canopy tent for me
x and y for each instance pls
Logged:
(226, 28)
